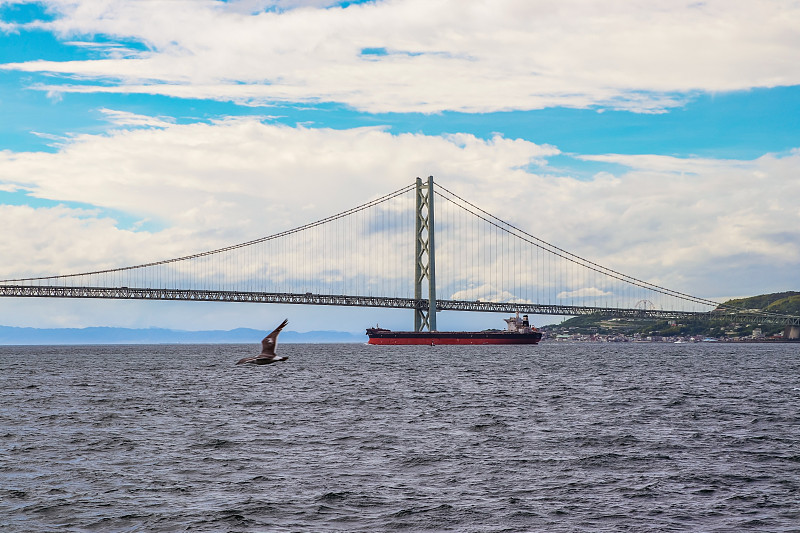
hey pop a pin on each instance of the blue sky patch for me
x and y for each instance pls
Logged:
(380, 51)
(24, 13)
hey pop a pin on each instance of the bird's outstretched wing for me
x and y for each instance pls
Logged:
(269, 342)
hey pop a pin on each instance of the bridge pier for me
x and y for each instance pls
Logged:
(791, 332)
(424, 263)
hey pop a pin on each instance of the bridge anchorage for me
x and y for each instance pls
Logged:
(396, 251)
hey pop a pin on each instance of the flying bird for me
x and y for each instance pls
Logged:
(267, 354)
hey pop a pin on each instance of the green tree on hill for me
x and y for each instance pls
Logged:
(787, 303)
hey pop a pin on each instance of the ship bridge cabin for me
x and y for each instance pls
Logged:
(519, 325)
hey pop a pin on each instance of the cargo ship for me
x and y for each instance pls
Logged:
(518, 331)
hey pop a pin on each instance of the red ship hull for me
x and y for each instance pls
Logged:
(436, 338)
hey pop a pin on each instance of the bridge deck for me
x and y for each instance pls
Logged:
(134, 293)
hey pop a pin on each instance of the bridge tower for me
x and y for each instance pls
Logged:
(424, 263)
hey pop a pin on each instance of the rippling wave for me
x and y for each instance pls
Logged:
(558, 437)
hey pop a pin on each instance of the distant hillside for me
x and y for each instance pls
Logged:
(101, 335)
(782, 302)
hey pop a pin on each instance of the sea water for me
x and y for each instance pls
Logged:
(555, 437)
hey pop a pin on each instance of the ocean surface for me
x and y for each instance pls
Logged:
(557, 437)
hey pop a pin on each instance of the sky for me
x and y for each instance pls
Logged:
(659, 138)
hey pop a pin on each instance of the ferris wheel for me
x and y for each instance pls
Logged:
(645, 305)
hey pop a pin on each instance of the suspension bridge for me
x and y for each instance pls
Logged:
(397, 251)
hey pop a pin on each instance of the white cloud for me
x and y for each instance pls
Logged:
(590, 292)
(461, 55)
(60, 239)
(257, 6)
(125, 118)
(701, 226)
(488, 293)
(694, 221)
(215, 184)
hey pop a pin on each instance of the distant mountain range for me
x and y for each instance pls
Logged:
(103, 335)
(786, 302)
